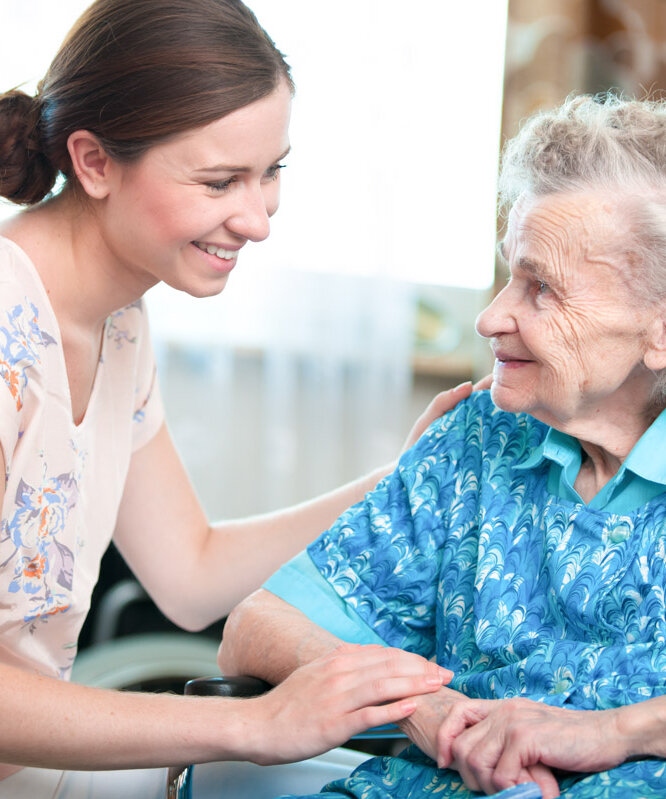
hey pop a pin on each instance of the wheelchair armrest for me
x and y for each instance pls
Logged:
(227, 686)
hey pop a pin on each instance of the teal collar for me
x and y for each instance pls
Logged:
(641, 477)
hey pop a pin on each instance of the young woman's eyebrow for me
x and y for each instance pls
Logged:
(230, 168)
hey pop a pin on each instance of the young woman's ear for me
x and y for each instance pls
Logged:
(92, 164)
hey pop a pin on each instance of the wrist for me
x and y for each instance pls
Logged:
(641, 729)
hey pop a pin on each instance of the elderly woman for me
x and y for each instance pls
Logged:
(521, 542)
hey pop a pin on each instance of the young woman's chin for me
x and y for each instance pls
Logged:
(200, 289)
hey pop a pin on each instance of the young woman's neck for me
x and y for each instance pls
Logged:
(65, 241)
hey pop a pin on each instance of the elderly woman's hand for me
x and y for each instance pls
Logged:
(492, 743)
(433, 711)
(441, 404)
(423, 725)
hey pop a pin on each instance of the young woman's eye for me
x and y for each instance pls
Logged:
(221, 185)
(273, 171)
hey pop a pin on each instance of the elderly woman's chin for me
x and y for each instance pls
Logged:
(513, 393)
(510, 399)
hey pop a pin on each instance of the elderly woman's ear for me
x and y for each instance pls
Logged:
(655, 352)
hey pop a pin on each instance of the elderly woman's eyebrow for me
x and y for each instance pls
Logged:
(526, 264)
(535, 268)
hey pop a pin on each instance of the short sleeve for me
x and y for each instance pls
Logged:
(301, 584)
(148, 414)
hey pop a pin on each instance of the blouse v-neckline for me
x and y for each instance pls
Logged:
(57, 336)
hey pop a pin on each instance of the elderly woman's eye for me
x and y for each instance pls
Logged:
(541, 287)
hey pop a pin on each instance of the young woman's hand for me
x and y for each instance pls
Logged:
(441, 404)
(336, 696)
(494, 744)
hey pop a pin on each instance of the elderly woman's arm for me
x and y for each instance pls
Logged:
(268, 638)
(492, 742)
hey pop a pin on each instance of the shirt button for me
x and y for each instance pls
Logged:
(619, 533)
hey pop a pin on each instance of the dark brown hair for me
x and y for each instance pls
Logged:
(134, 73)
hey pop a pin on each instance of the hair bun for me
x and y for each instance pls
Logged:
(26, 174)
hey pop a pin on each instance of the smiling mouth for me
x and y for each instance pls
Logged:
(506, 360)
(220, 252)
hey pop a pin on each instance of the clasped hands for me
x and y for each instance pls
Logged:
(497, 743)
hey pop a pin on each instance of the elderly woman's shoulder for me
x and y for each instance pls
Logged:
(477, 422)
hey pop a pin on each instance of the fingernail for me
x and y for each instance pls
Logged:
(462, 385)
(434, 680)
(447, 674)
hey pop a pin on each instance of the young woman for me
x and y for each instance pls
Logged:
(168, 121)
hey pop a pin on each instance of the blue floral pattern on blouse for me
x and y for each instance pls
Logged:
(459, 556)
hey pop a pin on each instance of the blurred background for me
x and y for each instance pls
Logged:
(333, 335)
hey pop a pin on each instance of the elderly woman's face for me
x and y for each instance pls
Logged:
(567, 333)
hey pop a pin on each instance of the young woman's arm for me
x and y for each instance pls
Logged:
(196, 572)
(49, 723)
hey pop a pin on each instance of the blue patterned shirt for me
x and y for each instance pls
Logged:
(478, 552)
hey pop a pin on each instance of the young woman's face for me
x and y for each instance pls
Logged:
(184, 210)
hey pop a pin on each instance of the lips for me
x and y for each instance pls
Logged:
(505, 357)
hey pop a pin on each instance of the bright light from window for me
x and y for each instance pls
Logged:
(395, 130)
(395, 135)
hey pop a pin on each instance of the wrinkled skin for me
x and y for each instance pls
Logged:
(496, 742)
(444, 715)
(576, 347)
(569, 335)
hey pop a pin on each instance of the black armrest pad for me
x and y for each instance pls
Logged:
(226, 686)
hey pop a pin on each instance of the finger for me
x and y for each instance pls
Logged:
(484, 383)
(459, 718)
(446, 400)
(544, 778)
(386, 689)
(399, 662)
(394, 662)
(377, 715)
(516, 765)
(476, 753)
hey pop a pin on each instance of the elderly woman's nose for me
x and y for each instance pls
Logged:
(497, 318)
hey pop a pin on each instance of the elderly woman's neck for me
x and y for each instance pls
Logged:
(597, 468)
(605, 453)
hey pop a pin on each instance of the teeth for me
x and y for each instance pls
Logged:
(211, 249)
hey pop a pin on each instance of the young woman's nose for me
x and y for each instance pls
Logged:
(499, 317)
(251, 217)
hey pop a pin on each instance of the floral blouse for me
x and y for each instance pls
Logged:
(63, 482)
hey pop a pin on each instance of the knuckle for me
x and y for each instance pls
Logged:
(367, 717)
(337, 683)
